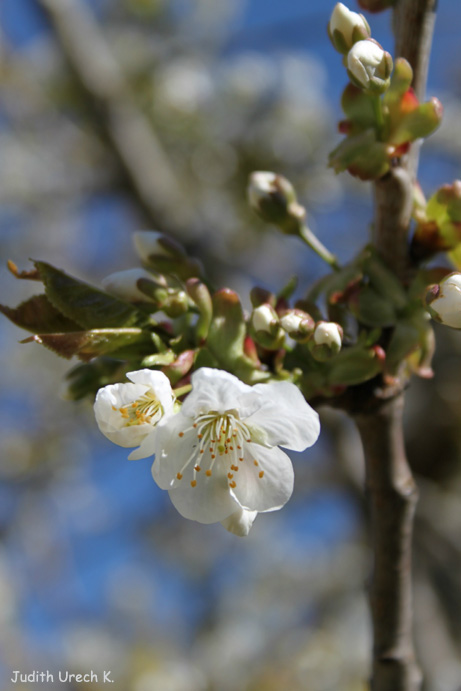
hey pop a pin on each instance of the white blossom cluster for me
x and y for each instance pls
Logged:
(218, 452)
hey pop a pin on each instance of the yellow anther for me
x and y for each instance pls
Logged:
(232, 484)
(230, 476)
(213, 455)
(256, 462)
(208, 473)
(261, 474)
(197, 468)
(241, 459)
(193, 483)
(114, 407)
(179, 476)
(180, 434)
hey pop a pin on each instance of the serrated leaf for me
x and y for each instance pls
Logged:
(89, 344)
(88, 306)
(37, 314)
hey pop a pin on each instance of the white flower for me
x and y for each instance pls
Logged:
(369, 64)
(291, 321)
(329, 334)
(123, 284)
(345, 21)
(128, 414)
(445, 306)
(220, 453)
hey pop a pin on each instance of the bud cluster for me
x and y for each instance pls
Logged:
(383, 115)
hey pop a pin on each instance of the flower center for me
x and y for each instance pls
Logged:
(145, 409)
(220, 437)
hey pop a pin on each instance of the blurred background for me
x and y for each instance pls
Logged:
(119, 115)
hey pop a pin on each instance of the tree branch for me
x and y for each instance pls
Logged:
(392, 497)
(391, 490)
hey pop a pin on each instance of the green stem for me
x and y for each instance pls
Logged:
(182, 390)
(314, 243)
(378, 111)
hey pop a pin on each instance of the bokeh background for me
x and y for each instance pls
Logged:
(118, 115)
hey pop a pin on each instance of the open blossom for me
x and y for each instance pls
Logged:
(128, 414)
(219, 456)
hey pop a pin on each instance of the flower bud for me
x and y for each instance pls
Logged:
(273, 198)
(369, 66)
(150, 243)
(297, 324)
(444, 301)
(266, 327)
(346, 28)
(126, 285)
(326, 341)
(165, 254)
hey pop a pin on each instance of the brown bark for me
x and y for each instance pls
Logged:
(390, 486)
(392, 496)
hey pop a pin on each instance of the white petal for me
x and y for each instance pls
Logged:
(203, 503)
(158, 383)
(172, 450)
(284, 415)
(110, 421)
(146, 447)
(213, 389)
(269, 492)
(240, 522)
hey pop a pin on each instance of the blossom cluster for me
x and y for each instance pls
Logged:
(217, 453)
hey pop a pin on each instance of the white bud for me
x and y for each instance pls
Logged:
(290, 322)
(261, 184)
(369, 64)
(345, 21)
(151, 242)
(445, 307)
(122, 284)
(329, 334)
(264, 318)
(240, 522)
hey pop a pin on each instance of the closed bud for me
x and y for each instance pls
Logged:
(444, 301)
(326, 341)
(346, 28)
(129, 284)
(151, 243)
(176, 303)
(369, 66)
(297, 324)
(265, 327)
(273, 198)
(164, 254)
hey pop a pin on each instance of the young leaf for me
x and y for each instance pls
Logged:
(38, 315)
(88, 306)
(123, 343)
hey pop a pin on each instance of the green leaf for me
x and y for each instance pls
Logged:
(37, 314)
(353, 366)
(88, 306)
(123, 343)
